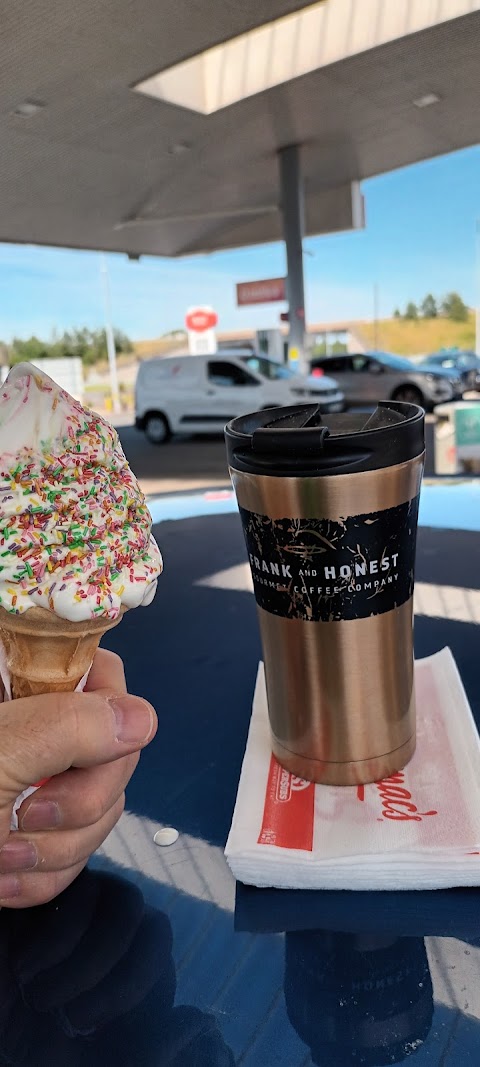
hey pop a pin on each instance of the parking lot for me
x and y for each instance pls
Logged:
(189, 463)
(184, 463)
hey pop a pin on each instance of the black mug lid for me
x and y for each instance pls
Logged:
(300, 441)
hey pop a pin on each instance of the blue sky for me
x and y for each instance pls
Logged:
(419, 237)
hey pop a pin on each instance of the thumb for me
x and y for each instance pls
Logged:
(45, 735)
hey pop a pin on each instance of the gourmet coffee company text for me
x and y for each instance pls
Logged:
(363, 574)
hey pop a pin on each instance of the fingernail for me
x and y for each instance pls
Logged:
(18, 856)
(41, 815)
(9, 887)
(133, 719)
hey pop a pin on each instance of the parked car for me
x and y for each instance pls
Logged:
(367, 377)
(465, 364)
(199, 394)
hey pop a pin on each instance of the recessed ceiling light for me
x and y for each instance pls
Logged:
(427, 100)
(28, 108)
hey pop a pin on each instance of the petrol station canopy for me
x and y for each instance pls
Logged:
(154, 126)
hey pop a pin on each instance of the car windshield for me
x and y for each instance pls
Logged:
(394, 362)
(268, 368)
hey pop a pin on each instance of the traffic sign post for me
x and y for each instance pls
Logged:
(201, 323)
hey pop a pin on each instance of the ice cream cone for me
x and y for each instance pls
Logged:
(48, 654)
(75, 534)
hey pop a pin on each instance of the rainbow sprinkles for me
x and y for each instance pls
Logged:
(75, 530)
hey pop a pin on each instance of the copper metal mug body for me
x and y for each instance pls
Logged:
(340, 693)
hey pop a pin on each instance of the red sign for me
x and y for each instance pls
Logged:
(200, 319)
(262, 292)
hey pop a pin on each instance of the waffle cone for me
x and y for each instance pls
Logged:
(47, 654)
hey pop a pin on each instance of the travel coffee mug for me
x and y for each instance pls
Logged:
(329, 513)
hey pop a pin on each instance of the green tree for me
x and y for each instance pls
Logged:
(411, 311)
(89, 345)
(454, 308)
(396, 314)
(122, 342)
(24, 351)
(429, 307)
(74, 343)
(96, 344)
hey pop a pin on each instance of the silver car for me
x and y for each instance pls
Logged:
(367, 377)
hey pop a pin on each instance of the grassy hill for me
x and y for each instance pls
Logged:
(393, 335)
(159, 346)
(420, 337)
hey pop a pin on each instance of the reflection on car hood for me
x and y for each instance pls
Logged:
(319, 383)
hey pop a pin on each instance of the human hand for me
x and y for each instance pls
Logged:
(88, 745)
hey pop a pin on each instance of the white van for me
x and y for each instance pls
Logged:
(199, 394)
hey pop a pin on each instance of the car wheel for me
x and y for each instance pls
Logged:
(157, 429)
(409, 394)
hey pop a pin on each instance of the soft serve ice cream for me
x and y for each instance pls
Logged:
(75, 530)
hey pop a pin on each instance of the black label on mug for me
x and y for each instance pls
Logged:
(319, 570)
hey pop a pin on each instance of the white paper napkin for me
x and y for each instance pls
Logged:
(419, 829)
(7, 695)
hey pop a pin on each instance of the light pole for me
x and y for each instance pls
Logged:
(112, 355)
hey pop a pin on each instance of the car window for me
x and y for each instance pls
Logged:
(223, 373)
(268, 368)
(360, 363)
(393, 362)
(451, 362)
(334, 366)
(467, 360)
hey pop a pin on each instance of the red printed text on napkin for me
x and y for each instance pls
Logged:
(288, 814)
